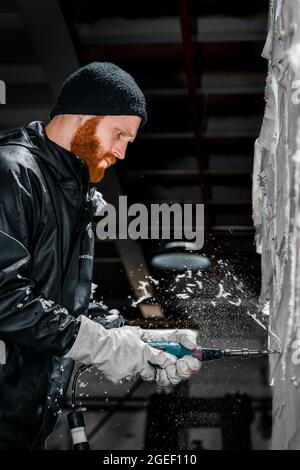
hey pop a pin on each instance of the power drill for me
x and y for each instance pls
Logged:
(207, 354)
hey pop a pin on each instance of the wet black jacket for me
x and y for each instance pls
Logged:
(46, 259)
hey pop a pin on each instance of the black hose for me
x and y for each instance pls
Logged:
(74, 384)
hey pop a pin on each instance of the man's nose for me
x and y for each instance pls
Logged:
(120, 151)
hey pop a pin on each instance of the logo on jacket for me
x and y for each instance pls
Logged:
(2, 92)
(2, 352)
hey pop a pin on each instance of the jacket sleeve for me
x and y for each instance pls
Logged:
(26, 318)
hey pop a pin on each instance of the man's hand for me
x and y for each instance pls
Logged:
(120, 353)
(184, 367)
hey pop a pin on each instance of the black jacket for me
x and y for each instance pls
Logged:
(46, 260)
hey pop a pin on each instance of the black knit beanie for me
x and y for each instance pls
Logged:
(100, 88)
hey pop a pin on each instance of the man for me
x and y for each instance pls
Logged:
(46, 256)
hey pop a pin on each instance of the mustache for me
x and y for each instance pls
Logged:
(110, 157)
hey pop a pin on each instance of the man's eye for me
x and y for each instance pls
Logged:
(119, 133)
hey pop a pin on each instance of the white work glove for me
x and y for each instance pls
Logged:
(119, 353)
(186, 366)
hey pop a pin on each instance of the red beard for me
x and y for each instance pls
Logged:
(87, 146)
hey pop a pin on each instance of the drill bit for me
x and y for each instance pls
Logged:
(247, 352)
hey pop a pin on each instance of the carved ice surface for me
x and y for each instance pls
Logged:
(276, 212)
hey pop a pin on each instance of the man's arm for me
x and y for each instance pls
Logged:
(26, 317)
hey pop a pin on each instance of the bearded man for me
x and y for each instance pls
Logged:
(47, 319)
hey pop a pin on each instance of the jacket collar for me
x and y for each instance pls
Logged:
(66, 164)
(68, 167)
